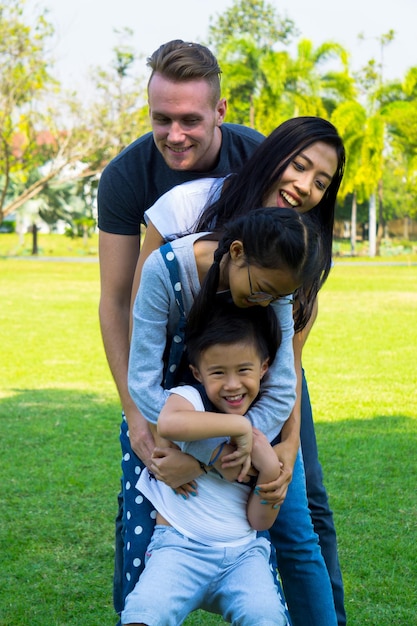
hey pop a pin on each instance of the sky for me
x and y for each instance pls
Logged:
(85, 36)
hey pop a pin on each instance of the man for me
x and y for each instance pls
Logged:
(189, 141)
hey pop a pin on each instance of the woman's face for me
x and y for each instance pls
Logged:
(305, 180)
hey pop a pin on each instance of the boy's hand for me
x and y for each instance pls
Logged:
(266, 462)
(241, 456)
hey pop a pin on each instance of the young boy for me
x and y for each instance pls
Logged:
(204, 552)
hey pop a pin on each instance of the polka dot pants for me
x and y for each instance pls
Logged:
(138, 516)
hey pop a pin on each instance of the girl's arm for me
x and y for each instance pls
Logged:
(278, 388)
(151, 316)
(150, 320)
(288, 447)
(152, 241)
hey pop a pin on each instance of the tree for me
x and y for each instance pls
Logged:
(120, 106)
(256, 19)
(24, 80)
(401, 119)
(350, 120)
(315, 87)
(246, 38)
(375, 145)
(64, 137)
(262, 82)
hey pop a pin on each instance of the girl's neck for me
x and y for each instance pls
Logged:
(204, 256)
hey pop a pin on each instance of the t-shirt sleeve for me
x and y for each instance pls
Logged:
(200, 449)
(190, 393)
(177, 211)
(117, 203)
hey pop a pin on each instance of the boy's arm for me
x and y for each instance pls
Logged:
(262, 514)
(180, 421)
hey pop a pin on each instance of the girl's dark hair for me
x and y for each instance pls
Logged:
(271, 239)
(230, 324)
(247, 189)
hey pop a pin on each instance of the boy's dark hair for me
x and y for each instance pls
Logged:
(229, 324)
(182, 61)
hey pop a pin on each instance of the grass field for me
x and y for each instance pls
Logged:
(52, 245)
(59, 416)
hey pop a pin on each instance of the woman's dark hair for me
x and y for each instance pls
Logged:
(271, 239)
(247, 189)
(229, 324)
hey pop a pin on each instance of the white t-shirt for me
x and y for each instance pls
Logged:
(177, 211)
(217, 515)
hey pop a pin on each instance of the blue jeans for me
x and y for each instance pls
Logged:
(318, 503)
(187, 575)
(303, 572)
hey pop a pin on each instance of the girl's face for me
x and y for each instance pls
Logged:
(305, 180)
(245, 280)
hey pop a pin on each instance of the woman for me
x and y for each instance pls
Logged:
(300, 165)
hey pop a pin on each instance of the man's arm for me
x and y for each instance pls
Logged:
(118, 258)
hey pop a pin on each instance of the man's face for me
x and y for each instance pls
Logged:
(186, 123)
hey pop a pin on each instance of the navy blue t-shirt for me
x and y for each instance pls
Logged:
(138, 176)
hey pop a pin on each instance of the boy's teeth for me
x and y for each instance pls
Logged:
(234, 398)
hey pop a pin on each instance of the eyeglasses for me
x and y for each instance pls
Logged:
(261, 296)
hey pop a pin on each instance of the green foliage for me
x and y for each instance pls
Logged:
(24, 80)
(8, 226)
(255, 19)
(265, 82)
(42, 139)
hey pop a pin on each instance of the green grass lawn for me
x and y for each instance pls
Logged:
(59, 467)
(53, 245)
